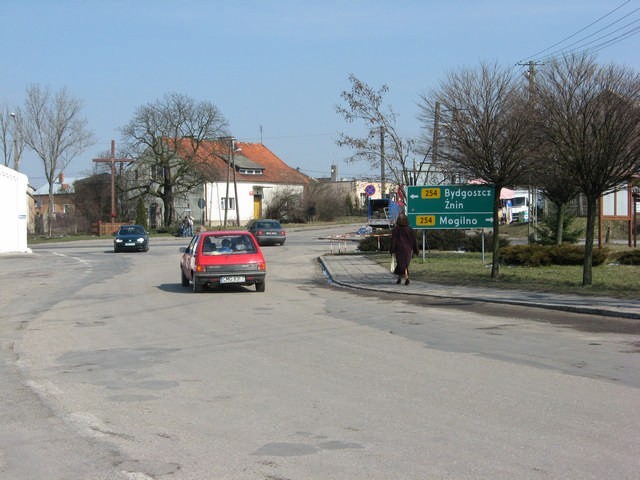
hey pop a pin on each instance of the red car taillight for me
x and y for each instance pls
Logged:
(200, 268)
(262, 266)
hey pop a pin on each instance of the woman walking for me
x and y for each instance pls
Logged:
(403, 245)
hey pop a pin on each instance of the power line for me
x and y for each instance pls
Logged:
(578, 45)
(615, 40)
(279, 137)
(567, 50)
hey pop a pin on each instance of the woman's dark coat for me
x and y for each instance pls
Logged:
(404, 245)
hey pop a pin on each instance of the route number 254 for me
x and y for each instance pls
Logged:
(425, 220)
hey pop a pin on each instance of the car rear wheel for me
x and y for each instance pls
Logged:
(197, 287)
(260, 286)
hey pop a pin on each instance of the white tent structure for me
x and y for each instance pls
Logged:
(14, 213)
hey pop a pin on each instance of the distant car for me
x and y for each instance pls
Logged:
(131, 237)
(268, 232)
(218, 258)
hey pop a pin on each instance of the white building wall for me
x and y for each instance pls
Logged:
(14, 213)
(216, 192)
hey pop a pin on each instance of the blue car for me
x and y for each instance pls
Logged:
(268, 232)
(132, 238)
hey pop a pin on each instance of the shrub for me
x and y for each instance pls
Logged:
(525, 255)
(285, 205)
(443, 240)
(473, 242)
(548, 228)
(446, 240)
(537, 255)
(325, 202)
(380, 242)
(574, 255)
(629, 258)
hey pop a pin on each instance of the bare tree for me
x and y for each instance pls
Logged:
(557, 184)
(589, 116)
(487, 130)
(382, 146)
(53, 128)
(10, 137)
(167, 137)
(93, 197)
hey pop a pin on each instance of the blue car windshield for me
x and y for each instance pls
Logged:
(275, 225)
(131, 231)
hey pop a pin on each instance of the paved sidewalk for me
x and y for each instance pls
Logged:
(358, 271)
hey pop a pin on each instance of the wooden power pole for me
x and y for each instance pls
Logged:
(383, 180)
(113, 160)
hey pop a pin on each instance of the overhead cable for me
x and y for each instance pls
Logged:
(582, 47)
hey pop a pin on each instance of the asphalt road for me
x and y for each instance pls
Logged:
(111, 370)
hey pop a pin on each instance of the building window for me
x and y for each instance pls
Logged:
(250, 171)
(67, 209)
(157, 173)
(231, 203)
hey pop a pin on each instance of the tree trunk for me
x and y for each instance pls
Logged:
(167, 198)
(560, 222)
(588, 242)
(51, 215)
(167, 203)
(495, 263)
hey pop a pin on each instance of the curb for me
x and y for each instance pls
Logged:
(524, 303)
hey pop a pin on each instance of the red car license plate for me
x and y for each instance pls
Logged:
(232, 279)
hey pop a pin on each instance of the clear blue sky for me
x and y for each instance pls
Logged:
(278, 64)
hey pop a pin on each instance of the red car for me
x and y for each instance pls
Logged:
(223, 258)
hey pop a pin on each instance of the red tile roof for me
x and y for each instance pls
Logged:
(274, 169)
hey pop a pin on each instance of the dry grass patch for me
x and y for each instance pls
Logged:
(453, 268)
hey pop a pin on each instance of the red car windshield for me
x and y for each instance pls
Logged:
(218, 244)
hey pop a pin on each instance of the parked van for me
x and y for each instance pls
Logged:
(382, 213)
(516, 209)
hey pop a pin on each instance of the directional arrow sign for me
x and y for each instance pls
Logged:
(451, 206)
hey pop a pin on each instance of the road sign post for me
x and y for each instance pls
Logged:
(450, 206)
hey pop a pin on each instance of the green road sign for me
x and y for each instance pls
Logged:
(450, 206)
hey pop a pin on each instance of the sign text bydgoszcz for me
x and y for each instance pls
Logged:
(450, 206)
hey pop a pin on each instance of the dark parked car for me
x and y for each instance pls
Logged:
(268, 232)
(131, 237)
(221, 258)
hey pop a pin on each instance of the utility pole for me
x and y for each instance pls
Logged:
(235, 183)
(531, 77)
(226, 199)
(532, 82)
(532, 94)
(16, 152)
(231, 164)
(382, 160)
(113, 160)
(436, 128)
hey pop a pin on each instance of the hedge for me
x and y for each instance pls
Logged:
(538, 255)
